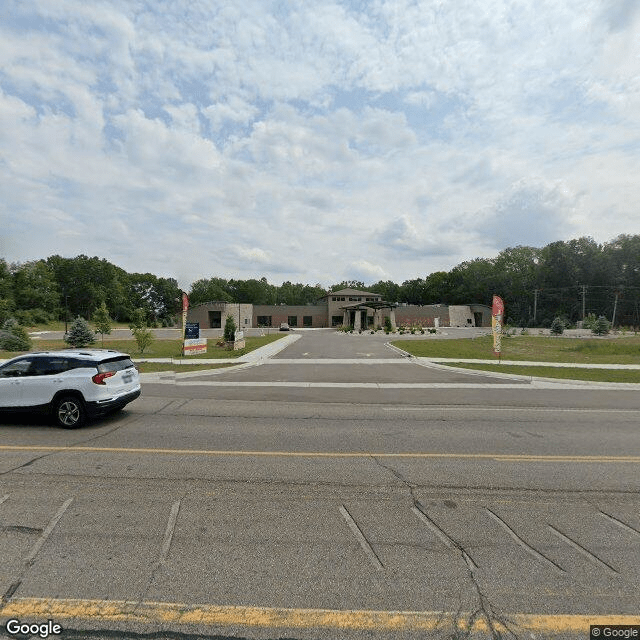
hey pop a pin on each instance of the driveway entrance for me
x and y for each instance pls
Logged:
(332, 344)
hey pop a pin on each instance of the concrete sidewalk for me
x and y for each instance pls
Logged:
(258, 356)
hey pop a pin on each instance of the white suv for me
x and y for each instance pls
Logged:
(71, 385)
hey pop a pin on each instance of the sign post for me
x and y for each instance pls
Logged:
(497, 320)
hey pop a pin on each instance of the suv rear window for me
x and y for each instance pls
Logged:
(117, 364)
(49, 365)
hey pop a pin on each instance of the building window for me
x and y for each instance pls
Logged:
(292, 321)
(356, 299)
(336, 321)
(215, 319)
(264, 321)
(307, 321)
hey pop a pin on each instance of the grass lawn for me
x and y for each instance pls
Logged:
(58, 325)
(596, 375)
(157, 349)
(535, 348)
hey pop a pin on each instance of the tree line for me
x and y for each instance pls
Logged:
(563, 279)
(56, 288)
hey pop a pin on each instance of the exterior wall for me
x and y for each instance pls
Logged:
(486, 314)
(334, 306)
(281, 313)
(321, 314)
(461, 316)
(422, 316)
(241, 313)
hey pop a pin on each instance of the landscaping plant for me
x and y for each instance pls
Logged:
(80, 334)
(16, 337)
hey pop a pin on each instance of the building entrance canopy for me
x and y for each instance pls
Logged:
(375, 305)
(358, 315)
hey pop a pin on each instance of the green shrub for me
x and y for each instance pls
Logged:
(590, 321)
(16, 338)
(143, 338)
(601, 327)
(31, 317)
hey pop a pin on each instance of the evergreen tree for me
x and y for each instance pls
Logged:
(80, 334)
(229, 329)
(16, 337)
(102, 320)
(557, 327)
(601, 327)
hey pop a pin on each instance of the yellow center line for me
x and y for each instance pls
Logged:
(173, 613)
(504, 457)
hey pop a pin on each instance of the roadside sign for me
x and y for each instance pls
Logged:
(194, 347)
(192, 331)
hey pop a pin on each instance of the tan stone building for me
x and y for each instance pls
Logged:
(347, 307)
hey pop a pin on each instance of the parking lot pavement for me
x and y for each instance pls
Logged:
(328, 344)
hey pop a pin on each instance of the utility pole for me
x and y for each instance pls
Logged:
(584, 297)
(615, 306)
(535, 305)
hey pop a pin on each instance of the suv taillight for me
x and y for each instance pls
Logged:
(99, 377)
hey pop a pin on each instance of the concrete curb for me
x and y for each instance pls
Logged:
(532, 379)
(535, 363)
(436, 363)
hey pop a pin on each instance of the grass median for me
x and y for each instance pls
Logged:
(157, 349)
(563, 373)
(624, 350)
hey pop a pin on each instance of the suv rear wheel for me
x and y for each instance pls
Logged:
(69, 412)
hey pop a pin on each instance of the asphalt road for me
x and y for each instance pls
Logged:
(313, 512)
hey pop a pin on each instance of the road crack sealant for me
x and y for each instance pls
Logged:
(498, 627)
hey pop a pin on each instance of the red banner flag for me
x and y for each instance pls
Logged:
(185, 307)
(497, 318)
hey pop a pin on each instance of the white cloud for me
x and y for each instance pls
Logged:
(315, 141)
(366, 271)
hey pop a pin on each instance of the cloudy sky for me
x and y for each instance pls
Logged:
(315, 141)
